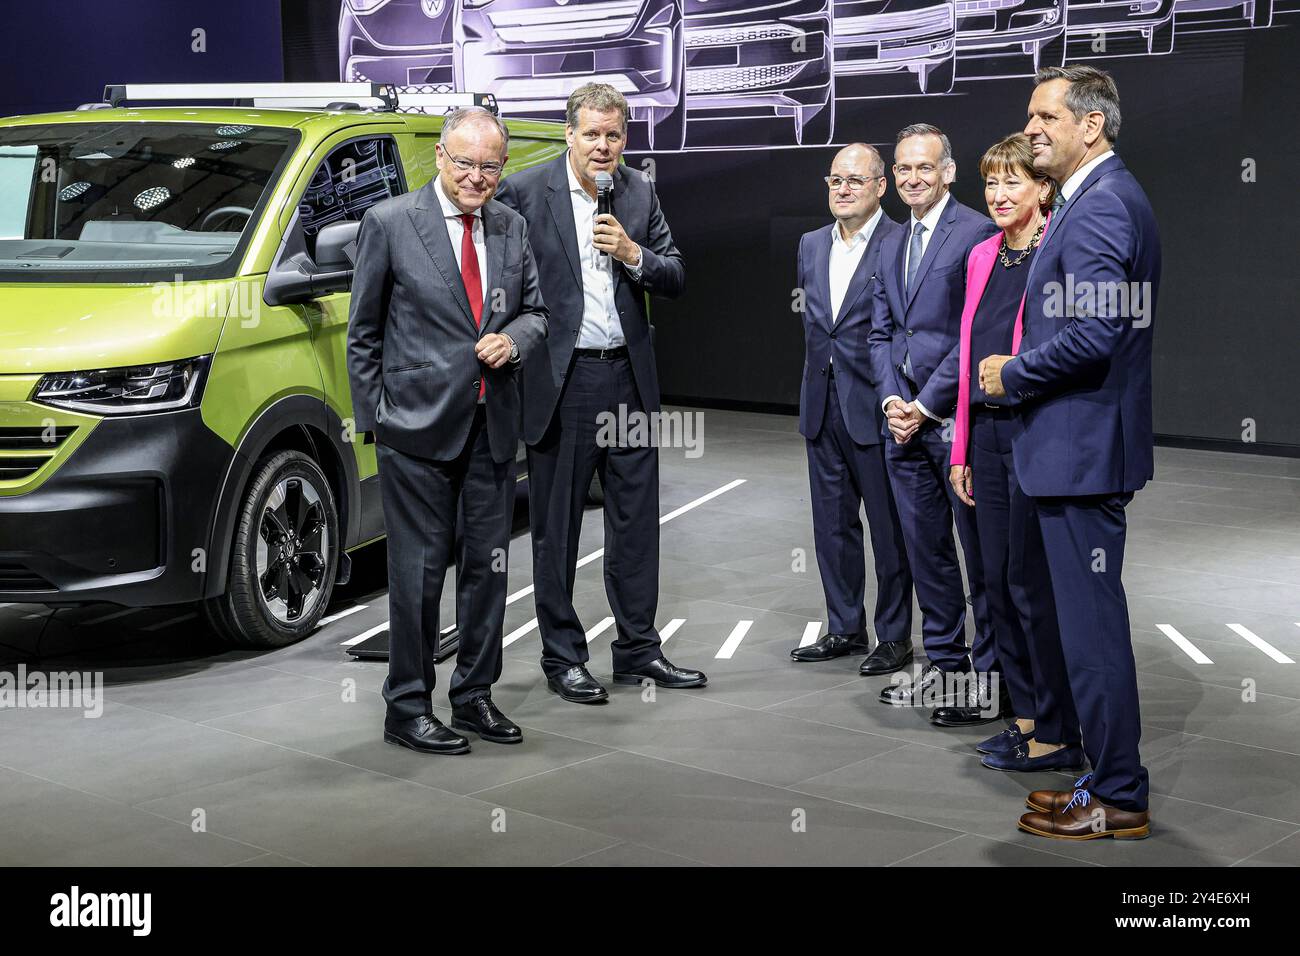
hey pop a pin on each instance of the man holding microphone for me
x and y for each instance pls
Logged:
(595, 269)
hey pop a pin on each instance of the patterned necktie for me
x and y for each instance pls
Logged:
(470, 275)
(914, 256)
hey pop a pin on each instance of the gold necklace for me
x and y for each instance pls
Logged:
(1033, 243)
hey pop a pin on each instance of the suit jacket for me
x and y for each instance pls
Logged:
(1083, 380)
(845, 340)
(411, 334)
(927, 321)
(983, 260)
(541, 194)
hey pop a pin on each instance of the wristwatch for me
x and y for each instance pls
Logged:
(514, 349)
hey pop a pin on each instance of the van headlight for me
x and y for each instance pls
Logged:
(131, 390)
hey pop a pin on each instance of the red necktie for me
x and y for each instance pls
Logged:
(469, 274)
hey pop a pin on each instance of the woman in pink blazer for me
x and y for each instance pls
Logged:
(1045, 732)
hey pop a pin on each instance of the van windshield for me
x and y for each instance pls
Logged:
(129, 202)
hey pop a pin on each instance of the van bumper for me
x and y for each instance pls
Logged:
(126, 519)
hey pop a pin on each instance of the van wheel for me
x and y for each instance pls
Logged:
(284, 558)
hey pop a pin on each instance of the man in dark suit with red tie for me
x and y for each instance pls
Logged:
(841, 419)
(445, 306)
(1081, 382)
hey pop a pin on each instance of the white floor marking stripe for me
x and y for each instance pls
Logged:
(365, 634)
(524, 592)
(1262, 644)
(169, 622)
(518, 633)
(599, 629)
(669, 629)
(811, 633)
(733, 640)
(1186, 646)
(701, 500)
(343, 613)
(108, 617)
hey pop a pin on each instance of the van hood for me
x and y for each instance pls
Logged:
(66, 327)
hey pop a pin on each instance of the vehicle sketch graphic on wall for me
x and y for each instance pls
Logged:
(687, 67)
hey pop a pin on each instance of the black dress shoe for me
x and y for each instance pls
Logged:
(664, 674)
(481, 716)
(927, 689)
(973, 708)
(889, 656)
(832, 646)
(425, 733)
(578, 686)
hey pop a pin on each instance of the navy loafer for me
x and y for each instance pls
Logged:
(1005, 742)
(1019, 761)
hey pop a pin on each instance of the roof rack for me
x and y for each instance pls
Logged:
(379, 96)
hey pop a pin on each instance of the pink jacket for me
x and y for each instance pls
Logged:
(978, 269)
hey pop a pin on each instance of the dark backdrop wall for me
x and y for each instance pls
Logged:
(60, 54)
(1227, 345)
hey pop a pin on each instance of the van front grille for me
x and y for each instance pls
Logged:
(18, 577)
(24, 450)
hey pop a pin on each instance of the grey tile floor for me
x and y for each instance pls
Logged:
(210, 757)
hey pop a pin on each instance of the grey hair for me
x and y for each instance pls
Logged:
(600, 97)
(476, 114)
(925, 129)
(1091, 91)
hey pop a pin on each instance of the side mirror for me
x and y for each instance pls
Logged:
(298, 279)
(336, 247)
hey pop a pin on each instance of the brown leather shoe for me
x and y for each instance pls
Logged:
(1050, 801)
(1086, 818)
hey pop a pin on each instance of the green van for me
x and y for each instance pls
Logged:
(175, 417)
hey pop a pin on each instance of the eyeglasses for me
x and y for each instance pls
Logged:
(490, 170)
(856, 183)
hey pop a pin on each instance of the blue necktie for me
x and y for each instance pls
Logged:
(913, 263)
(914, 256)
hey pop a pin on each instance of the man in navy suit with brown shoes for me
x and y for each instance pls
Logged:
(841, 419)
(1081, 382)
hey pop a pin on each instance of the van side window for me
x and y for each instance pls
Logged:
(351, 179)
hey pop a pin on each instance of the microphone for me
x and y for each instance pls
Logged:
(604, 200)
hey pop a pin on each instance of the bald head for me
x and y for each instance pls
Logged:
(858, 154)
(857, 181)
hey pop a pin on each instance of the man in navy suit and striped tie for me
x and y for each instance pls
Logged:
(915, 324)
(841, 418)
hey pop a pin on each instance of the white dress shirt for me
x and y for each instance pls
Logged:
(846, 256)
(456, 232)
(1071, 185)
(601, 328)
(930, 221)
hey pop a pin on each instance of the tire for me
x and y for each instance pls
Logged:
(1050, 52)
(939, 79)
(666, 129)
(262, 609)
(1162, 38)
(815, 129)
